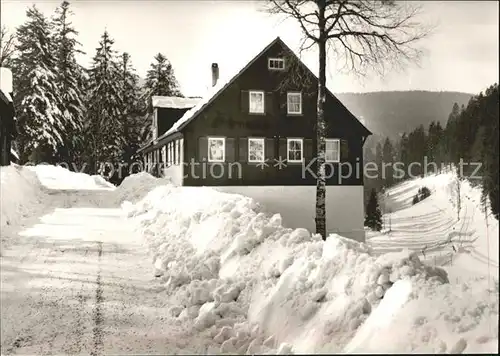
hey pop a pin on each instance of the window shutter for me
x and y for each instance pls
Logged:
(344, 150)
(230, 149)
(308, 149)
(269, 150)
(269, 103)
(282, 149)
(202, 149)
(243, 148)
(245, 104)
(283, 103)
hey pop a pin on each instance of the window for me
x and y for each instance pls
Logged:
(294, 103)
(276, 63)
(216, 149)
(295, 148)
(256, 102)
(332, 150)
(256, 150)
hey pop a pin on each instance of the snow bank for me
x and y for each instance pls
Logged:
(236, 277)
(134, 187)
(57, 177)
(20, 193)
(21, 196)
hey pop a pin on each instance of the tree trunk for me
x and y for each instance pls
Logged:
(321, 128)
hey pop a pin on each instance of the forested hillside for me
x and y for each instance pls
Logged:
(468, 140)
(393, 112)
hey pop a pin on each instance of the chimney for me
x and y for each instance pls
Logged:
(215, 73)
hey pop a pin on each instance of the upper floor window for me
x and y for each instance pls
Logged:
(256, 149)
(295, 149)
(276, 63)
(332, 150)
(216, 149)
(256, 102)
(294, 103)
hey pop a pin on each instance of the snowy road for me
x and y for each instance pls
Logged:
(78, 280)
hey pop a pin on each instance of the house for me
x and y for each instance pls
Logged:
(255, 134)
(7, 123)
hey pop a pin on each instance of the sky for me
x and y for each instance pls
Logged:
(461, 55)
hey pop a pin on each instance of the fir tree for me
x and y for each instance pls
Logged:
(404, 154)
(69, 79)
(379, 158)
(373, 217)
(388, 159)
(491, 150)
(161, 79)
(450, 135)
(105, 105)
(131, 110)
(41, 124)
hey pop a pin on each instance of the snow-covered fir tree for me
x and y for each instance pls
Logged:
(161, 79)
(104, 129)
(373, 218)
(41, 124)
(132, 108)
(69, 80)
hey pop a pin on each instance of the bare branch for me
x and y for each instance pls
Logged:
(291, 8)
(363, 35)
(7, 46)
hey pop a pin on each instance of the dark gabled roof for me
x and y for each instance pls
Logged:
(213, 94)
(222, 85)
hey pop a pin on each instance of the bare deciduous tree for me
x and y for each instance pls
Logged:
(7, 46)
(364, 35)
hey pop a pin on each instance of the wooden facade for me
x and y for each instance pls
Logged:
(7, 128)
(271, 105)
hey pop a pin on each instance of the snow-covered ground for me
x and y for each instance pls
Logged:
(465, 247)
(237, 275)
(80, 276)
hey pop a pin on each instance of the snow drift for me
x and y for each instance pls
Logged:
(20, 192)
(237, 276)
(136, 186)
(21, 196)
(58, 177)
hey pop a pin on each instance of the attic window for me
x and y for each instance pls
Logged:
(276, 64)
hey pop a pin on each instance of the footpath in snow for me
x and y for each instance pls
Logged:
(75, 276)
(80, 260)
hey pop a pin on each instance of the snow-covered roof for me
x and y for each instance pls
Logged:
(7, 95)
(213, 93)
(14, 153)
(5, 80)
(174, 102)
